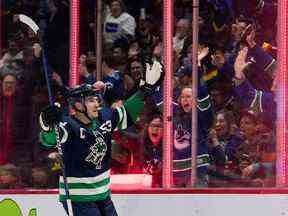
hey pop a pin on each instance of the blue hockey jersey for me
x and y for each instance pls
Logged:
(86, 150)
(182, 136)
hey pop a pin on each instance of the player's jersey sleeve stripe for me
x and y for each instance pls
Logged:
(260, 101)
(48, 138)
(42, 124)
(122, 124)
(270, 65)
(254, 99)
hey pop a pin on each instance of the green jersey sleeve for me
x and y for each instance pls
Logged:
(129, 113)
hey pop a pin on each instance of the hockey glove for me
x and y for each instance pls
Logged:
(153, 77)
(49, 117)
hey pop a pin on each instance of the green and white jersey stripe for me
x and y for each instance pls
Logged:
(186, 164)
(87, 188)
(122, 124)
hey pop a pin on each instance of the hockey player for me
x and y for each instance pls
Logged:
(85, 142)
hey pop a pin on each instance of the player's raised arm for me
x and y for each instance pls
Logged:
(133, 106)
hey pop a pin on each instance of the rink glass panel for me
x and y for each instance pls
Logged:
(134, 157)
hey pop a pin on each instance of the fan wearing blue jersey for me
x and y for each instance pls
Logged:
(85, 142)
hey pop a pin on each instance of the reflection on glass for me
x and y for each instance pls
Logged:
(236, 109)
(236, 64)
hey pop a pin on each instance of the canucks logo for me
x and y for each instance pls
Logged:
(182, 138)
(98, 151)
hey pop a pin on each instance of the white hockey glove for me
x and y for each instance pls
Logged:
(153, 77)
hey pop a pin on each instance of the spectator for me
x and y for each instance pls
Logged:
(10, 177)
(249, 97)
(258, 148)
(224, 140)
(262, 65)
(134, 50)
(135, 74)
(182, 138)
(147, 33)
(226, 134)
(223, 97)
(8, 92)
(120, 54)
(40, 177)
(157, 51)
(259, 162)
(259, 10)
(113, 79)
(184, 76)
(16, 128)
(152, 143)
(13, 52)
(118, 24)
(181, 34)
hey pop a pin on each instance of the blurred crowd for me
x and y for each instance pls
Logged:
(237, 62)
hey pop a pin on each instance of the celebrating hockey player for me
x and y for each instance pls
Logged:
(84, 139)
